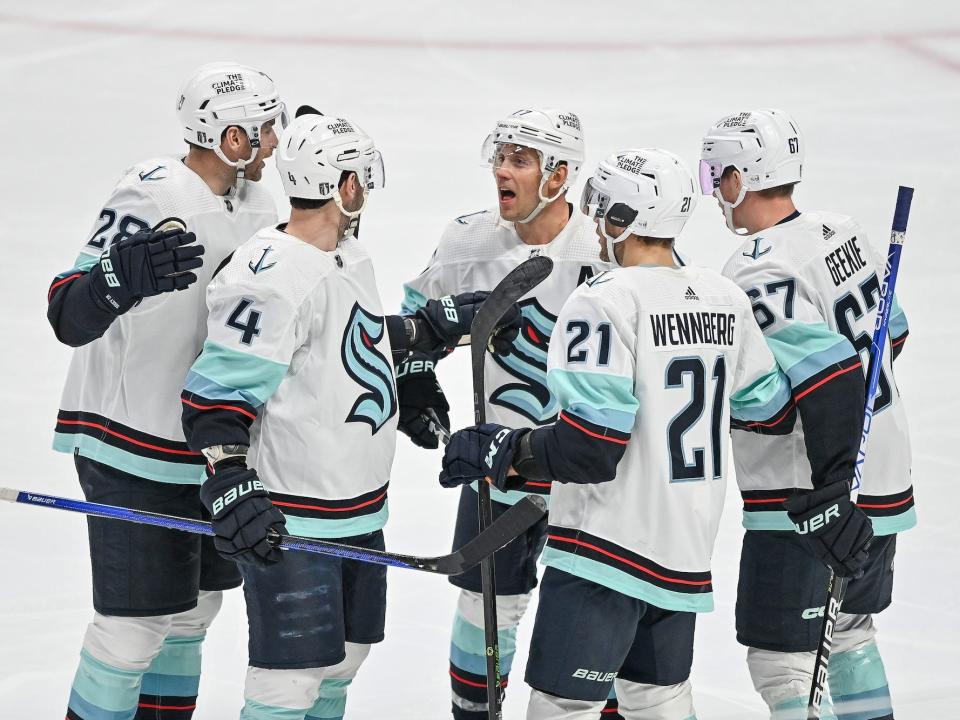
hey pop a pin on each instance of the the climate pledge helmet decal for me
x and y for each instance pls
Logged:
(369, 368)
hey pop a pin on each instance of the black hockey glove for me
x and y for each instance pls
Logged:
(417, 392)
(481, 451)
(835, 530)
(145, 264)
(448, 319)
(242, 514)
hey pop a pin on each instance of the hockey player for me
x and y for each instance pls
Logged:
(535, 156)
(297, 340)
(647, 363)
(155, 592)
(813, 281)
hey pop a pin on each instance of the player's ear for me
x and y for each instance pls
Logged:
(557, 180)
(233, 141)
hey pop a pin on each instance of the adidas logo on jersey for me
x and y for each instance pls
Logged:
(828, 232)
(691, 295)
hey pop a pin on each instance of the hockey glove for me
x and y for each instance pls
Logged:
(145, 264)
(835, 530)
(481, 452)
(417, 392)
(448, 319)
(242, 514)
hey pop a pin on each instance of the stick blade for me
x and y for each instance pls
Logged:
(517, 283)
(509, 526)
(9, 494)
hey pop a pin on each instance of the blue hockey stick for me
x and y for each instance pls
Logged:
(508, 527)
(836, 588)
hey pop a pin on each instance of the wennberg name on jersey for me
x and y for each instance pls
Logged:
(658, 360)
(814, 282)
(121, 401)
(475, 252)
(297, 339)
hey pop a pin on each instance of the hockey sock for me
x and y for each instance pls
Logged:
(102, 691)
(332, 703)
(858, 685)
(468, 659)
(171, 683)
(655, 702)
(611, 711)
(783, 681)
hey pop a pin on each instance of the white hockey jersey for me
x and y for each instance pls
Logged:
(297, 339)
(475, 252)
(656, 359)
(121, 401)
(814, 284)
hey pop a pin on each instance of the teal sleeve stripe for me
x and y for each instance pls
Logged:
(510, 497)
(242, 371)
(763, 398)
(898, 320)
(83, 263)
(608, 398)
(413, 300)
(805, 349)
(207, 388)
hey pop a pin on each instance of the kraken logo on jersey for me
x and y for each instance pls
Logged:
(369, 368)
(528, 363)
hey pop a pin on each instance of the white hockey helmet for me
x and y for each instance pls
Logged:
(555, 135)
(315, 150)
(221, 95)
(765, 145)
(647, 191)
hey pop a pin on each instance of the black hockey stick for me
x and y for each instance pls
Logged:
(837, 586)
(513, 523)
(518, 282)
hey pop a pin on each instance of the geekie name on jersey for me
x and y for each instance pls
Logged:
(845, 261)
(692, 328)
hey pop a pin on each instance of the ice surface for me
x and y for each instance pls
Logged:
(89, 88)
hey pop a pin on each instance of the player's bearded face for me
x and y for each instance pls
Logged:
(516, 171)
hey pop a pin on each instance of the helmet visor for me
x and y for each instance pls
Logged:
(596, 203)
(509, 155)
(710, 173)
(374, 176)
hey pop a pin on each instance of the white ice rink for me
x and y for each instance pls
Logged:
(89, 87)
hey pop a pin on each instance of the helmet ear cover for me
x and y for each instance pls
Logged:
(621, 215)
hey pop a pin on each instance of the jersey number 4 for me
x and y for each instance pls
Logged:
(248, 328)
(694, 369)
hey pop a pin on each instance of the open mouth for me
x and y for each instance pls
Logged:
(506, 195)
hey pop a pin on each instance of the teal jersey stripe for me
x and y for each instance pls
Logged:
(805, 349)
(624, 583)
(84, 262)
(245, 372)
(252, 710)
(509, 497)
(762, 398)
(106, 688)
(898, 320)
(207, 388)
(327, 529)
(603, 399)
(158, 470)
(779, 520)
(413, 300)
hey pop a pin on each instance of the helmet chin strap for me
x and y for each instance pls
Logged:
(240, 164)
(544, 201)
(610, 242)
(352, 215)
(728, 209)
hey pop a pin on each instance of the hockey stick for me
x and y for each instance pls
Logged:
(518, 282)
(513, 523)
(837, 586)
